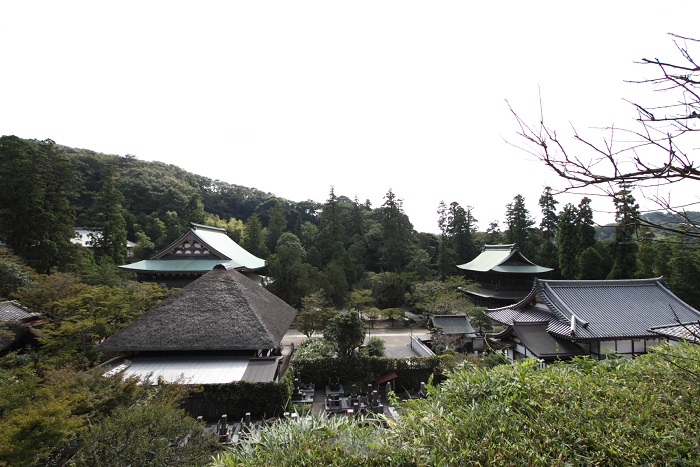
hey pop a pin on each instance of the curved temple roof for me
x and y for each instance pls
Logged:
(504, 259)
(590, 310)
(216, 245)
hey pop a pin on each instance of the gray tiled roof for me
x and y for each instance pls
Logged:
(509, 315)
(600, 309)
(542, 344)
(453, 324)
(683, 331)
(12, 310)
(622, 308)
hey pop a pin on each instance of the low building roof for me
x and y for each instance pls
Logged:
(12, 310)
(689, 332)
(197, 251)
(222, 310)
(534, 336)
(199, 369)
(453, 324)
(597, 310)
(503, 259)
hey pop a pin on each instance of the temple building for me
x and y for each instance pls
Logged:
(193, 254)
(559, 319)
(219, 329)
(503, 275)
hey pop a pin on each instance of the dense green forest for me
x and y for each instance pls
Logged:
(321, 257)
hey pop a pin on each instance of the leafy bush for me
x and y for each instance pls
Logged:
(588, 412)
(377, 345)
(314, 347)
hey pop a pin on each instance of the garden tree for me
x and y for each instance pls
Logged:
(591, 265)
(334, 283)
(331, 228)
(393, 314)
(315, 313)
(253, 235)
(292, 278)
(345, 332)
(550, 221)
(194, 210)
(36, 217)
(646, 255)
(685, 273)
(479, 321)
(654, 153)
(442, 298)
(149, 433)
(519, 222)
(372, 316)
(275, 226)
(389, 289)
(624, 244)
(234, 229)
(107, 216)
(361, 299)
(376, 346)
(144, 248)
(34, 416)
(82, 315)
(13, 275)
(314, 347)
(568, 242)
(396, 230)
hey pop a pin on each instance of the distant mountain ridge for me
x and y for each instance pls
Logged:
(607, 231)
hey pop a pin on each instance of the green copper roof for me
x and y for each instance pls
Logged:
(210, 242)
(178, 265)
(504, 259)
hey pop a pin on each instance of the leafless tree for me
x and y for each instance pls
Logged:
(657, 152)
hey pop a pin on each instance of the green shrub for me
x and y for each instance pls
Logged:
(587, 412)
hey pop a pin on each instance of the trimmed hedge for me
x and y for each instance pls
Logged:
(235, 399)
(410, 371)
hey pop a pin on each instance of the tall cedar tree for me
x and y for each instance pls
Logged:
(549, 213)
(108, 215)
(396, 229)
(275, 226)
(36, 217)
(586, 231)
(624, 243)
(568, 242)
(461, 227)
(519, 222)
(331, 228)
(253, 234)
(194, 211)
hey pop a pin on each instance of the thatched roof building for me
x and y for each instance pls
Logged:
(222, 310)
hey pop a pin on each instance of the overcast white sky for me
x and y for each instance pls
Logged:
(291, 97)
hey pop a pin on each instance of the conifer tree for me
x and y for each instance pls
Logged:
(519, 222)
(108, 216)
(395, 233)
(36, 185)
(194, 211)
(568, 242)
(549, 221)
(253, 234)
(584, 222)
(275, 226)
(624, 243)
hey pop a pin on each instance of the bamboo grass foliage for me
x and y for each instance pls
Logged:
(633, 412)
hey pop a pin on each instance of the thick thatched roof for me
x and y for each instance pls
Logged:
(222, 310)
